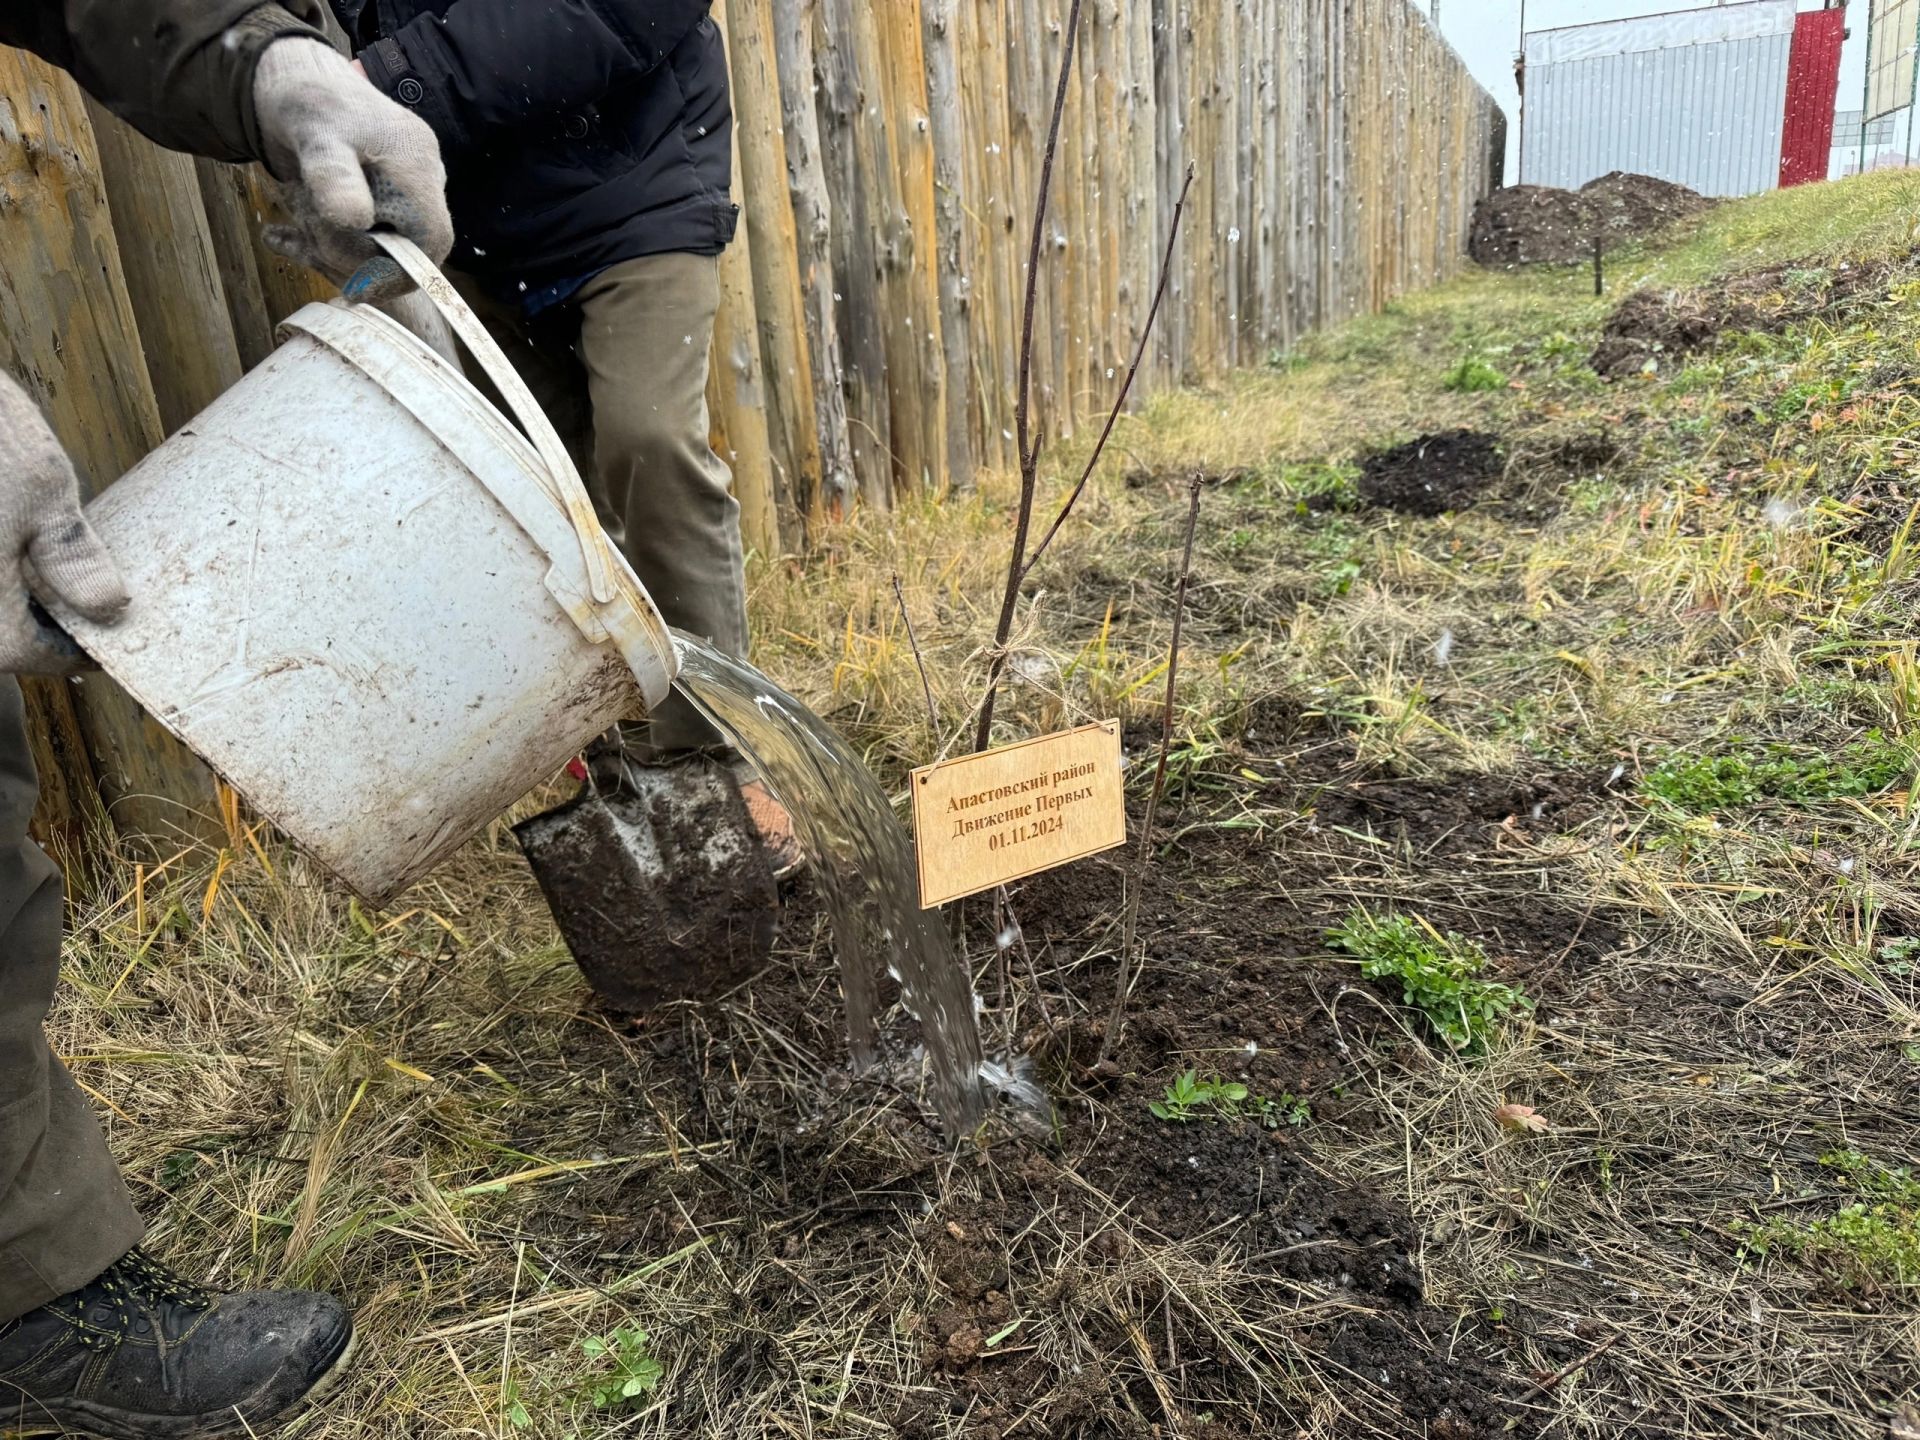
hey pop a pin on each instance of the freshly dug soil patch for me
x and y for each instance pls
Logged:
(1628, 206)
(1532, 225)
(1463, 813)
(1114, 1275)
(1432, 475)
(1651, 330)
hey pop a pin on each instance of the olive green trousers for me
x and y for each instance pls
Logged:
(621, 370)
(64, 1211)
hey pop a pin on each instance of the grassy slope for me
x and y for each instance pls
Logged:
(308, 1093)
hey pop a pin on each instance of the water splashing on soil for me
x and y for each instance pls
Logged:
(863, 866)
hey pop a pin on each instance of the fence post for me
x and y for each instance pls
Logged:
(956, 268)
(852, 152)
(917, 379)
(736, 396)
(779, 302)
(1110, 181)
(813, 217)
(990, 223)
(230, 226)
(173, 274)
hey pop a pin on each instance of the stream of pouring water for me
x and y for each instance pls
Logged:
(863, 866)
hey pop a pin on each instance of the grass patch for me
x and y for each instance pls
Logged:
(1317, 485)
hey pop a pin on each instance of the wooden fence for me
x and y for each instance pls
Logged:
(887, 156)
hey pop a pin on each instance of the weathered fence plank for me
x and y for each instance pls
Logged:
(68, 334)
(947, 241)
(813, 221)
(736, 392)
(851, 134)
(779, 302)
(173, 273)
(916, 379)
(230, 226)
(988, 204)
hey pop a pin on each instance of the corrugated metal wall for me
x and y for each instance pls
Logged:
(1697, 98)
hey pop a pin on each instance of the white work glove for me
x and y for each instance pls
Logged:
(349, 159)
(46, 545)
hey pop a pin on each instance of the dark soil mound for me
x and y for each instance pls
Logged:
(1432, 475)
(1652, 328)
(1627, 205)
(1540, 224)
(1651, 325)
(1532, 225)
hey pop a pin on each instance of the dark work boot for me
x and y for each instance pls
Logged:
(140, 1354)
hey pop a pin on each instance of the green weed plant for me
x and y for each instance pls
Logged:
(1735, 778)
(1872, 1243)
(1191, 1098)
(1440, 975)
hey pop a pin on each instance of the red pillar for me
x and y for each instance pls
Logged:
(1813, 86)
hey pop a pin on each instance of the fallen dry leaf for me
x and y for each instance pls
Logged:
(1522, 1118)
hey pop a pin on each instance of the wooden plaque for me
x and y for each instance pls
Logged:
(985, 819)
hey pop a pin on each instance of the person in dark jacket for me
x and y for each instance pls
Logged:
(589, 157)
(96, 1338)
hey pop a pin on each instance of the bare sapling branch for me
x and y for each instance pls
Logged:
(1136, 881)
(1126, 388)
(1023, 402)
(1021, 562)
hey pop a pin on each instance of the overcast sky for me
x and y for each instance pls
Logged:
(1487, 35)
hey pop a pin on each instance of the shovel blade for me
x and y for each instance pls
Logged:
(662, 889)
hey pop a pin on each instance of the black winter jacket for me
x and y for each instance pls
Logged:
(577, 133)
(179, 70)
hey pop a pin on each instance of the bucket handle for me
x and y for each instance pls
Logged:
(565, 484)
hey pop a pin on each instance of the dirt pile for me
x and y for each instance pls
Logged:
(1651, 330)
(1626, 205)
(1433, 474)
(1532, 225)
(1544, 225)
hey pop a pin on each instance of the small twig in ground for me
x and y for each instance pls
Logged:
(1020, 563)
(926, 686)
(1585, 1360)
(1004, 926)
(1033, 971)
(1136, 882)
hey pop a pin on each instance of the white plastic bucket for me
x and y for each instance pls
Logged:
(367, 601)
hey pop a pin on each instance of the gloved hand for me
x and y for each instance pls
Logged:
(349, 159)
(41, 523)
